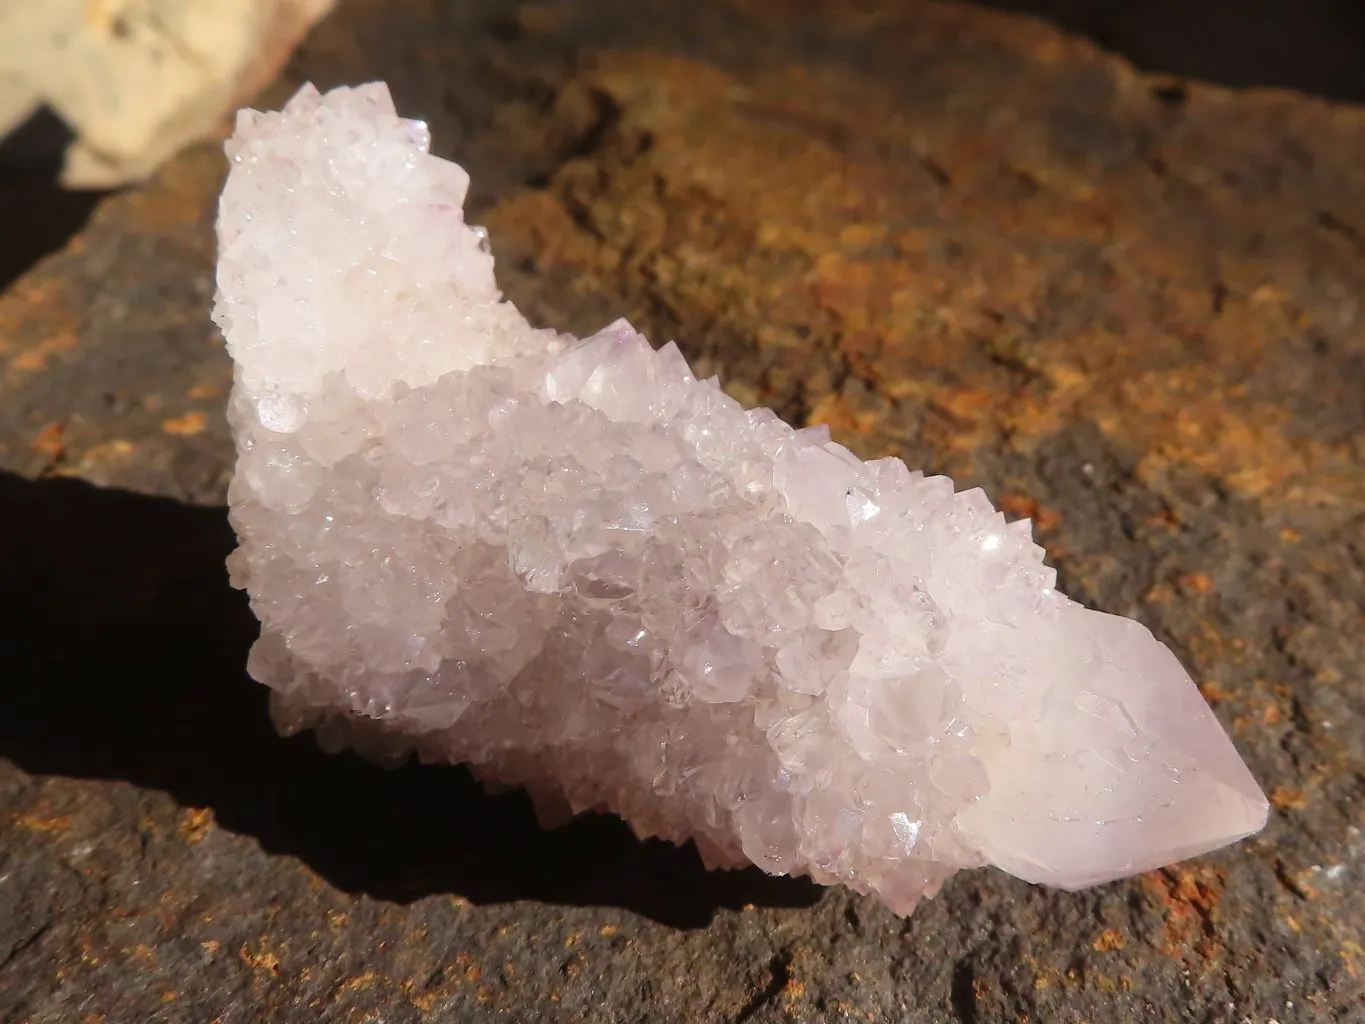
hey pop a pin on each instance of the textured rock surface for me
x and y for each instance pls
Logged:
(1123, 308)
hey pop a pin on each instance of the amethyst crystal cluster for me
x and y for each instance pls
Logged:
(580, 570)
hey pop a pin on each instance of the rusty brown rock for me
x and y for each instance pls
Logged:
(1123, 305)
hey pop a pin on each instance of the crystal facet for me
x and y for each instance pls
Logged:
(580, 570)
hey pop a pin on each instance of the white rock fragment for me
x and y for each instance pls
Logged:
(582, 571)
(135, 80)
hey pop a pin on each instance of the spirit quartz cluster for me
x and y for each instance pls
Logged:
(580, 570)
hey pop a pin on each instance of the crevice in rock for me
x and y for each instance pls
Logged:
(780, 974)
(963, 993)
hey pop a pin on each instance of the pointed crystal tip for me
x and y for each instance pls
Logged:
(1128, 772)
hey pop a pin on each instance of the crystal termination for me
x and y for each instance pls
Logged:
(578, 569)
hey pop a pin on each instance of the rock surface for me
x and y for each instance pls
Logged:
(1124, 306)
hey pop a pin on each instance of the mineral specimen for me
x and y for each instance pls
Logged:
(580, 570)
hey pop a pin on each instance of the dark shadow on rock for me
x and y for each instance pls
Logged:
(1313, 46)
(37, 216)
(124, 661)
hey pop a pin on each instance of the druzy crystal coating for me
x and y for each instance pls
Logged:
(578, 569)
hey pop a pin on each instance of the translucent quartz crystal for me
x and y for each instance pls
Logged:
(580, 570)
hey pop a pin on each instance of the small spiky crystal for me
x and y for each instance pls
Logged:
(580, 570)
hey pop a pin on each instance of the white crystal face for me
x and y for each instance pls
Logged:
(580, 570)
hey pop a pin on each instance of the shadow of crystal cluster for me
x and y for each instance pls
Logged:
(582, 571)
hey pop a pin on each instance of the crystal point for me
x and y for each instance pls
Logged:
(578, 569)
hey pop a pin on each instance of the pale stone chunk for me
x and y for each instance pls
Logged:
(135, 80)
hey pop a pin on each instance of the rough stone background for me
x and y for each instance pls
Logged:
(1127, 306)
